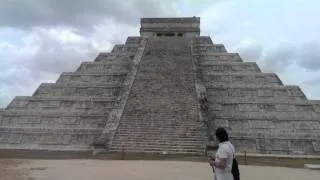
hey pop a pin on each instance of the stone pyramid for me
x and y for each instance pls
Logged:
(164, 91)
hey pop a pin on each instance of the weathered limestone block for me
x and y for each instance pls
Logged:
(244, 144)
(266, 125)
(54, 139)
(271, 115)
(228, 67)
(256, 91)
(264, 106)
(47, 89)
(275, 134)
(273, 146)
(316, 145)
(240, 78)
(220, 57)
(61, 103)
(33, 138)
(208, 49)
(14, 138)
(248, 99)
(53, 121)
(93, 67)
(202, 40)
(104, 56)
(121, 48)
(133, 40)
(102, 78)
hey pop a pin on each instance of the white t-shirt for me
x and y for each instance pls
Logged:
(226, 151)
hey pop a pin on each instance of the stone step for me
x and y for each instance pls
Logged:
(103, 56)
(133, 40)
(263, 125)
(156, 134)
(275, 134)
(208, 49)
(143, 123)
(222, 57)
(159, 150)
(51, 130)
(54, 147)
(242, 78)
(38, 137)
(260, 100)
(265, 115)
(46, 120)
(263, 106)
(268, 145)
(285, 92)
(159, 142)
(51, 89)
(312, 166)
(76, 77)
(115, 59)
(156, 145)
(35, 112)
(140, 142)
(229, 67)
(61, 103)
(122, 48)
(202, 40)
(102, 67)
(163, 152)
(159, 127)
(176, 137)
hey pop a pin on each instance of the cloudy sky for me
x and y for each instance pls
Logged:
(39, 39)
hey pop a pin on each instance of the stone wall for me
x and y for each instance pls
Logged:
(73, 112)
(261, 114)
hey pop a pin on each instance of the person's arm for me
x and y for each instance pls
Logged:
(211, 161)
(222, 164)
(223, 157)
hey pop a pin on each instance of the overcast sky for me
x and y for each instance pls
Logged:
(39, 39)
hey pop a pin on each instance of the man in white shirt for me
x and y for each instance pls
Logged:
(222, 163)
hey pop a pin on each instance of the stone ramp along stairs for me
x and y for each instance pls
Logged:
(164, 92)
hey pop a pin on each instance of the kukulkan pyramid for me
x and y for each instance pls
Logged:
(164, 91)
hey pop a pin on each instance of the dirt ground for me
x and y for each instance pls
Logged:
(136, 170)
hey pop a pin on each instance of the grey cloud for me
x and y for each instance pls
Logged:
(306, 55)
(309, 56)
(278, 59)
(24, 74)
(251, 53)
(80, 14)
(312, 82)
(54, 57)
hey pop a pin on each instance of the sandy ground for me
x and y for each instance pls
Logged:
(136, 170)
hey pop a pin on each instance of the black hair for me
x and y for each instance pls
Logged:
(222, 135)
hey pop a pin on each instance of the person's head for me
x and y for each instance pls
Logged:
(222, 135)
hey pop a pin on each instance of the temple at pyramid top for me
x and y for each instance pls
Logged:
(163, 27)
